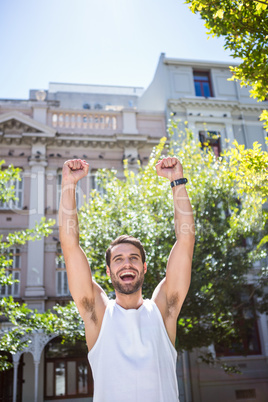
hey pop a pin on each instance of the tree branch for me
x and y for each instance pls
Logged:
(260, 1)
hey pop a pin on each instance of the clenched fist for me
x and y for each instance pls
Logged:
(74, 170)
(170, 168)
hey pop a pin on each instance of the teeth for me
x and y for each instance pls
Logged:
(127, 273)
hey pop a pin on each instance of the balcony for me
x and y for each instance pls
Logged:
(89, 122)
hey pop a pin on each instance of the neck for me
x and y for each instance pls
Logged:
(133, 301)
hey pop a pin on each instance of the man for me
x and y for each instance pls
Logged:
(130, 340)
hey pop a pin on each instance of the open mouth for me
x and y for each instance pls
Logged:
(127, 276)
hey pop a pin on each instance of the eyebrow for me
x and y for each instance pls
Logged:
(119, 255)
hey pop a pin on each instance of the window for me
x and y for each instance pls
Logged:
(18, 193)
(245, 394)
(67, 371)
(210, 139)
(202, 84)
(96, 182)
(247, 341)
(13, 255)
(98, 106)
(62, 288)
(86, 106)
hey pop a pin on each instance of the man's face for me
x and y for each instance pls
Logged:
(126, 268)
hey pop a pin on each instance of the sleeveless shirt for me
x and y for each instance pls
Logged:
(133, 359)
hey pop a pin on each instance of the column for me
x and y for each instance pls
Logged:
(186, 376)
(15, 380)
(131, 154)
(263, 320)
(229, 132)
(36, 367)
(191, 127)
(35, 291)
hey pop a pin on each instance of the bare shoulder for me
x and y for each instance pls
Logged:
(168, 307)
(168, 304)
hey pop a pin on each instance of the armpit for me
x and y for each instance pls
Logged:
(172, 304)
(89, 306)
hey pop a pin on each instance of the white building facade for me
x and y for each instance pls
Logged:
(105, 125)
(215, 109)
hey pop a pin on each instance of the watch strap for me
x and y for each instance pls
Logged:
(178, 182)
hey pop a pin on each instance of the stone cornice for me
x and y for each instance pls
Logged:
(198, 63)
(214, 103)
(82, 141)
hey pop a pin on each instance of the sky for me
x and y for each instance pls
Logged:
(107, 42)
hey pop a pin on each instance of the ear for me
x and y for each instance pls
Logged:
(108, 271)
(145, 267)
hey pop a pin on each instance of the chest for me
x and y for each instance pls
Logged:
(134, 335)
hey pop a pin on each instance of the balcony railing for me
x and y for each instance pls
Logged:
(88, 121)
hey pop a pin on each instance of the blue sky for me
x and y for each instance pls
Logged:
(109, 42)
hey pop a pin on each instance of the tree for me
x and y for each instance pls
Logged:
(23, 320)
(230, 223)
(230, 238)
(244, 26)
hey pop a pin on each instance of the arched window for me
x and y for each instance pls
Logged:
(67, 371)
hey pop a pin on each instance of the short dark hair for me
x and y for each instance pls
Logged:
(125, 239)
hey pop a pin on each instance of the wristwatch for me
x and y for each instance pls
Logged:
(178, 182)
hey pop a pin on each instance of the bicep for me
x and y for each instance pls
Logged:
(88, 296)
(78, 271)
(178, 272)
(172, 290)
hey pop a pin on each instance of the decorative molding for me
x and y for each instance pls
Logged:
(37, 343)
(198, 63)
(215, 103)
(83, 142)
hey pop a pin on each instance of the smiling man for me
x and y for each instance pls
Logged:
(130, 340)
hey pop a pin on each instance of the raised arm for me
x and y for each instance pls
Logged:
(88, 296)
(171, 292)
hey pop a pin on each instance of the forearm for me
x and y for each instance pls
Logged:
(183, 213)
(68, 221)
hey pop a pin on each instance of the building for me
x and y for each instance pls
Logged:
(105, 125)
(216, 110)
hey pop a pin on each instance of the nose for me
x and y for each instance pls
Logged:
(127, 261)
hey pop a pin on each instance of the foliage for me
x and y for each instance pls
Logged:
(21, 319)
(6, 178)
(244, 26)
(228, 210)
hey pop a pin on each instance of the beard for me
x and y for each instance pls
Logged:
(127, 288)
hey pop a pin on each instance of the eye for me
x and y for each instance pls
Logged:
(134, 258)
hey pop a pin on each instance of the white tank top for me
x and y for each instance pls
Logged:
(133, 359)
